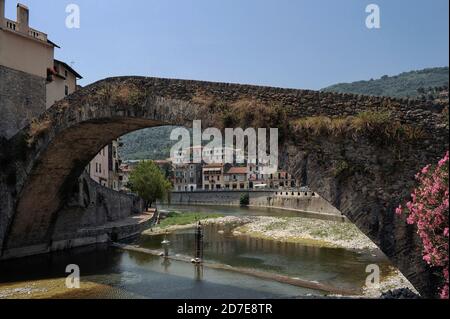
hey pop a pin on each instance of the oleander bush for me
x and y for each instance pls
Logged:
(428, 210)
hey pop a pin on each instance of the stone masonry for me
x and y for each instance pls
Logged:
(22, 97)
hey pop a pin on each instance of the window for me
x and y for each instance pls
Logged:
(65, 73)
(100, 168)
(66, 90)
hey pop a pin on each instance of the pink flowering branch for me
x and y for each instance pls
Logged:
(428, 210)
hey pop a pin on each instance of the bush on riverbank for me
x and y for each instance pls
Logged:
(244, 200)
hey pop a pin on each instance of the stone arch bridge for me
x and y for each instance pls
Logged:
(360, 153)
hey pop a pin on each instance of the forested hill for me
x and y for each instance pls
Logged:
(152, 143)
(413, 84)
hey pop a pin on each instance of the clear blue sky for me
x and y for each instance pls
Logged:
(286, 43)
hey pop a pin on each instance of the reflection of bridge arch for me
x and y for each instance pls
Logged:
(68, 136)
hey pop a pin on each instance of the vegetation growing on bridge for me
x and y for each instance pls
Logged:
(379, 125)
(119, 94)
(38, 127)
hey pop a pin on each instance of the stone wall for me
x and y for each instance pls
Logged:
(81, 221)
(93, 205)
(309, 202)
(22, 97)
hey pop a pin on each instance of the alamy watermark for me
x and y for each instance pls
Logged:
(373, 279)
(232, 150)
(73, 17)
(73, 279)
(373, 20)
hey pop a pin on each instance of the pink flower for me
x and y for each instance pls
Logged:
(425, 169)
(428, 209)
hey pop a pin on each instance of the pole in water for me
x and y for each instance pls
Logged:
(198, 244)
(165, 243)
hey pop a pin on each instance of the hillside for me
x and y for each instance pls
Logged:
(412, 84)
(152, 143)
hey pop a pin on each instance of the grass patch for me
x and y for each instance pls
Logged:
(378, 125)
(174, 219)
(119, 94)
(38, 127)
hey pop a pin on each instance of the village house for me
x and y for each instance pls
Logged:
(187, 177)
(213, 176)
(210, 156)
(105, 167)
(30, 51)
(236, 178)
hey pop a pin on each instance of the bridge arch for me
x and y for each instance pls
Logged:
(364, 177)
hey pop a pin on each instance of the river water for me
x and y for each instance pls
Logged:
(112, 273)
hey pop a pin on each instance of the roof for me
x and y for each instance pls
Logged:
(237, 170)
(53, 43)
(161, 162)
(68, 67)
(213, 165)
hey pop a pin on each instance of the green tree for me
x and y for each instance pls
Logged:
(244, 200)
(149, 183)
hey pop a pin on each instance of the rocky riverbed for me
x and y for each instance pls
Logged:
(307, 231)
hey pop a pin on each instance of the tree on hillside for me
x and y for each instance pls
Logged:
(149, 183)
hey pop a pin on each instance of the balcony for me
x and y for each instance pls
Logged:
(33, 33)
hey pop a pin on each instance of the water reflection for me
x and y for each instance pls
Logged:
(136, 275)
(337, 267)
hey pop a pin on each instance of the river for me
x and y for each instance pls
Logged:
(112, 273)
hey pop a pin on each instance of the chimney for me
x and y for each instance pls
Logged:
(2, 11)
(23, 16)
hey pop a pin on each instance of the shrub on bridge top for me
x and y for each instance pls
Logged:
(378, 125)
(428, 210)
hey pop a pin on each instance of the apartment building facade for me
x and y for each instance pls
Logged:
(105, 167)
(187, 177)
(30, 51)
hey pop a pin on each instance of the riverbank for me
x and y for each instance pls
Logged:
(49, 289)
(312, 232)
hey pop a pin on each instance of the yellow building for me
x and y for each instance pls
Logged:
(28, 50)
(61, 82)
